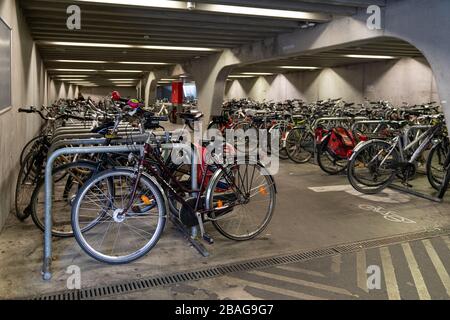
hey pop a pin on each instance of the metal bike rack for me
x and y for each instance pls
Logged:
(46, 268)
(439, 198)
(47, 258)
(139, 138)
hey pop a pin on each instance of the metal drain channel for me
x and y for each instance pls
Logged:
(171, 279)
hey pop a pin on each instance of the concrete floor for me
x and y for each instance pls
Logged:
(313, 210)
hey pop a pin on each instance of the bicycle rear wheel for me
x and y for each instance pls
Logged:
(241, 199)
(67, 181)
(25, 184)
(329, 162)
(102, 228)
(372, 168)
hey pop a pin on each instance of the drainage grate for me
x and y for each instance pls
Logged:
(171, 279)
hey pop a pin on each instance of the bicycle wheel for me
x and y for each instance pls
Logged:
(372, 167)
(299, 145)
(30, 147)
(102, 228)
(328, 161)
(242, 199)
(283, 130)
(435, 164)
(25, 184)
(67, 180)
(246, 143)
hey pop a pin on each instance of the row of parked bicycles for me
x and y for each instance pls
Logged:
(375, 142)
(116, 203)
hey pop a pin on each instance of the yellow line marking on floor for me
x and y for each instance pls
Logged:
(301, 270)
(389, 274)
(285, 292)
(438, 265)
(361, 270)
(336, 262)
(421, 287)
(302, 282)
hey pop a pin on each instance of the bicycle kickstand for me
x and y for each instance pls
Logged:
(206, 237)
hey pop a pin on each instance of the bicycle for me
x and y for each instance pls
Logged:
(376, 163)
(134, 198)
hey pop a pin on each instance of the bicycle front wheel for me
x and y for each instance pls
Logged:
(299, 145)
(104, 227)
(241, 200)
(435, 164)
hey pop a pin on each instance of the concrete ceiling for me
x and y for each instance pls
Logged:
(337, 57)
(141, 26)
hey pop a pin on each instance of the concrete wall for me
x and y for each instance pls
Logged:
(99, 93)
(28, 88)
(409, 80)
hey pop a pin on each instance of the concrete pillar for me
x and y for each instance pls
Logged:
(210, 77)
(150, 88)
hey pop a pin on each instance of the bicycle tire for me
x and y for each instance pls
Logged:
(322, 151)
(357, 183)
(37, 218)
(211, 205)
(80, 236)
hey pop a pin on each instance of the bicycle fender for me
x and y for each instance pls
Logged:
(362, 144)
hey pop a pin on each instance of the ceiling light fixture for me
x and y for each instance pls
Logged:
(78, 61)
(227, 9)
(367, 56)
(149, 63)
(299, 67)
(69, 76)
(73, 70)
(123, 46)
(123, 79)
(257, 73)
(124, 71)
(240, 76)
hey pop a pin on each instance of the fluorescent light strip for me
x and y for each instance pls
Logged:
(123, 46)
(367, 56)
(144, 3)
(124, 71)
(123, 79)
(299, 67)
(240, 76)
(149, 63)
(70, 76)
(79, 61)
(168, 79)
(111, 62)
(74, 70)
(228, 9)
(257, 73)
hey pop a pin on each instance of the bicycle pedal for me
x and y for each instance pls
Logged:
(208, 239)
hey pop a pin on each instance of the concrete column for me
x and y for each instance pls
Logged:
(150, 88)
(210, 77)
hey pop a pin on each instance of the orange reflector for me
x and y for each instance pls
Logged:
(146, 200)
(263, 191)
(219, 204)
